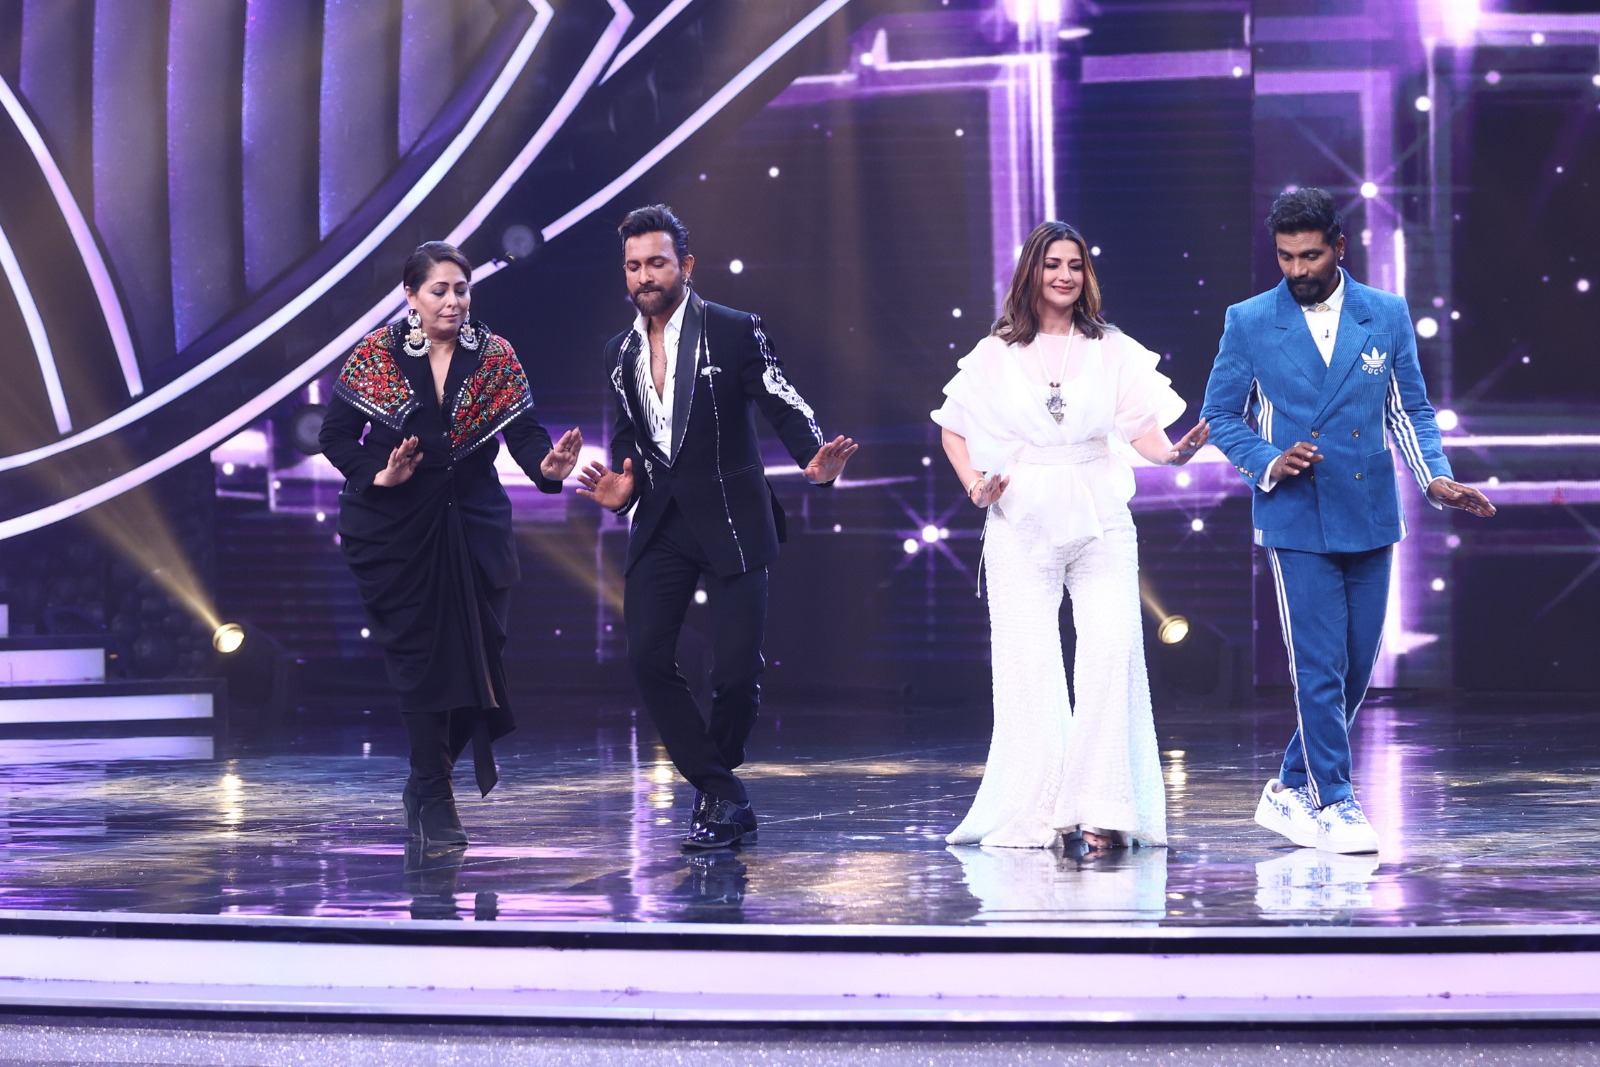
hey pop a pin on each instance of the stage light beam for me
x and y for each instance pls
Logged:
(1173, 630)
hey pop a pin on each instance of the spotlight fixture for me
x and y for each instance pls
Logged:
(1173, 629)
(1192, 665)
(257, 675)
(228, 638)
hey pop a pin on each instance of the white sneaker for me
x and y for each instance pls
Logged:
(1288, 812)
(1343, 827)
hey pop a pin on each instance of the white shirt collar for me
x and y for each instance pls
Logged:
(1335, 300)
(674, 324)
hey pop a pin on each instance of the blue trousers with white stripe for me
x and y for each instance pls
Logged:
(1332, 605)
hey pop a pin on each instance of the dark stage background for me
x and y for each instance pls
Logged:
(205, 205)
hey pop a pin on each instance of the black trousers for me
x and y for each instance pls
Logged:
(437, 740)
(657, 595)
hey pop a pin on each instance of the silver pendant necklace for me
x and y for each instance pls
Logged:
(1053, 405)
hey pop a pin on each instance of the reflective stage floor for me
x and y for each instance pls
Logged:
(1488, 812)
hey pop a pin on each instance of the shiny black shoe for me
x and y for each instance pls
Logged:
(438, 825)
(722, 824)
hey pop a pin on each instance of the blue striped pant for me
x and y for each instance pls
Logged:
(1332, 606)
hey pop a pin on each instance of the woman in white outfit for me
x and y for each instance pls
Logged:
(1026, 423)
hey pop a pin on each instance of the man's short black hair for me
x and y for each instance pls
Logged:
(1301, 210)
(657, 218)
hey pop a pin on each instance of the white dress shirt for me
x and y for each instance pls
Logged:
(658, 410)
(1324, 327)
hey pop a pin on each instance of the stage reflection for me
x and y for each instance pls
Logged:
(1480, 824)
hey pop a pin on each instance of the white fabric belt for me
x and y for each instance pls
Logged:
(1063, 455)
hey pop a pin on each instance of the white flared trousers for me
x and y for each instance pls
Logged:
(1052, 770)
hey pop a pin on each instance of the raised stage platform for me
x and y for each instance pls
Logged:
(276, 881)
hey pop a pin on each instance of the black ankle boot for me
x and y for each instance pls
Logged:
(413, 805)
(439, 824)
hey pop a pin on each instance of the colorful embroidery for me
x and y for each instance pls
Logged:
(371, 382)
(496, 393)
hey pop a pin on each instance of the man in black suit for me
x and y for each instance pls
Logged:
(689, 377)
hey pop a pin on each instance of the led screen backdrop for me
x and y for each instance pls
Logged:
(206, 201)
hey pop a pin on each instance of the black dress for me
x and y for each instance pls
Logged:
(434, 557)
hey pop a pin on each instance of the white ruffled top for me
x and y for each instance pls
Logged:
(1066, 483)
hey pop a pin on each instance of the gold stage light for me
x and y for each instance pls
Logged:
(1173, 629)
(228, 638)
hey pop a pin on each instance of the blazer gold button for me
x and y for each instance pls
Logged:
(1314, 433)
(1355, 433)
(1358, 476)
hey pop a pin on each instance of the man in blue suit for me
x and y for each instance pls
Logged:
(1314, 383)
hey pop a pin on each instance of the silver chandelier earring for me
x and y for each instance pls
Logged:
(468, 338)
(417, 343)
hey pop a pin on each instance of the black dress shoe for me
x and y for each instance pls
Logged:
(722, 824)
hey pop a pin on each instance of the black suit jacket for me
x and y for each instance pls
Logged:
(726, 372)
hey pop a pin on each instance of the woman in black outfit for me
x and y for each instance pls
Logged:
(426, 525)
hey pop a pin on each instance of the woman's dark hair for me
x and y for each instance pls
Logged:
(1301, 210)
(657, 218)
(1018, 323)
(420, 263)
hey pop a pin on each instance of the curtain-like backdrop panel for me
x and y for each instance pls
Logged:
(360, 103)
(279, 152)
(130, 164)
(205, 54)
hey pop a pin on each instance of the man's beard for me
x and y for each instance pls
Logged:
(653, 301)
(1311, 291)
